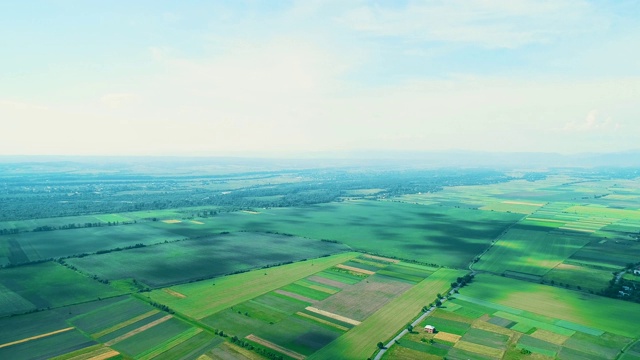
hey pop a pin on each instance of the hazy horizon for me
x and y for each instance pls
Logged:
(286, 78)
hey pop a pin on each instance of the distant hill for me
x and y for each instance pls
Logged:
(361, 159)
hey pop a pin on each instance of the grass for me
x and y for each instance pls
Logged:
(207, 297)
(49, 285)
(538, 345)
(587, 278)
(305, 291)
(446, 325)
(486, 338)
(402, 230)
(111, 317)
(405, 353)
(150, 338)
(191, 348)
(530, 251)
(47, 347)
(360, 342)
(179, 262)
(610, 315)
(60, 243)
(299, 334)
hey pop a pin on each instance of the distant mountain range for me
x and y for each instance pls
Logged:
(365, 159)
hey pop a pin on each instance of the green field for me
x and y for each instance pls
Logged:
(589, 310)
(360, 342)
(188, 260)
(207, 297)
(481, 324)
(424, 233)
(47, 285)
(555, 241)
(532, 252)
(41, 245)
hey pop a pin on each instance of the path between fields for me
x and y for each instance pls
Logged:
(495, 241)
(35, 337)
(414, 324)
(138, 330)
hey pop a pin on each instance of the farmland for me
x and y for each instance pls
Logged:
(497, 318)
(320, 264)
(183, 261)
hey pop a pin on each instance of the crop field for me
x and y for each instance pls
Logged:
(359, 342)
(254, 281)
(578, 307)
(393, 229)
(477, 326)
(532, 252)
(112, 317)
(46, 285)
(207, 297)
(33, 246)
(324, 304)
(182, 261)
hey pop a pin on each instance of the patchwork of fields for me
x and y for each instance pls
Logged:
(330, 304)
(157, 284)
(498, 318)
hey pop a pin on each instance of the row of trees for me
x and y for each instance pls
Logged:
(71, 195)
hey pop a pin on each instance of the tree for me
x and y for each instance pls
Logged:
(438, 302)
(410, 328)
(380, 345)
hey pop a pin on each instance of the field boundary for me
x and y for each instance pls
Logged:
(138, 330)
(356, 269)
(333, 316)
(35, 337)
(322, 321)
(276, 347)
(174, 293)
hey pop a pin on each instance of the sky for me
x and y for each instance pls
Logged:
(287, 78)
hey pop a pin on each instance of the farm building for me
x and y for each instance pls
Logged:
(636, 271)
(430, 329)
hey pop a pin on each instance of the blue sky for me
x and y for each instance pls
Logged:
(297, 77)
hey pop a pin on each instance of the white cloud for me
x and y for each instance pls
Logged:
(117, 100)
(593, 122)
(493, 24)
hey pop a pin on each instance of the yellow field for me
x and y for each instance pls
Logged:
(197, 222)
(355, 269)
(445, 336)
(550, 336)
(174, 293)
(483, 325)
(103, 356)
(576, 229)
(333, 316)
(172, 221)
(394, 261)
(522, 203)
(479, 349)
